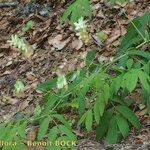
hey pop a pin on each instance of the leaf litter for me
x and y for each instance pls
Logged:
(57, 47)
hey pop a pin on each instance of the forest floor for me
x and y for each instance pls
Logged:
(58, 47)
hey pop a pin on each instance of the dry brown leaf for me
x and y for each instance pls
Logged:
(142, 112)
(31, 135)
(1, 55)
(30, 76)
(113, 37)
(13, 101)
(9, 100)
(57, 41)
(23, 105)
(78, 133)
(8, 63)
(101, 14)
(6, 72)
(77, 44)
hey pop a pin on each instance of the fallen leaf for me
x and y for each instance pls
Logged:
(142, 112)
(23, 105)
(31, 135)
(8, 63)
(57, 41)
(30, 76)
(1, 55)
(9, 100)
(77, 44)
(6, 72)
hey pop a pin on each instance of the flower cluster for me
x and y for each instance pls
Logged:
(81, 29)
(103, 59)
(18, 87)
(62, 82)
(22, 45)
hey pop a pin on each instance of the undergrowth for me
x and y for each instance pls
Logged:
(97, 98)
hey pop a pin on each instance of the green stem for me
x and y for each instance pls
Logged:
(142, 44)
(136, 28)
(110, 63)
(138, 31)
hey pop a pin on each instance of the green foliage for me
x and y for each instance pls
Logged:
(145, 99)
(137, 33)
(103, 125)
(43, 128)
(18, 87)
(14, 132)
(37, 111)
(89, 58)
(128, 114)
(28, 26)
(102, 98)
(78, 9)
(111, 136)
(122, 125)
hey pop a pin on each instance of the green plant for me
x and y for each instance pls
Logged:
(18, 87)
(78, 9)
(28, 26)
(103, 99)
(82, 8)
